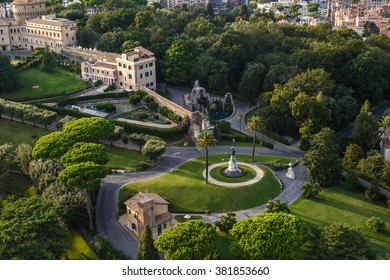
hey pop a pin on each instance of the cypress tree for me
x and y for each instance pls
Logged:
(146, 249)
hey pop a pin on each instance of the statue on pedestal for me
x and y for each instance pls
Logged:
(233, 170)
(290, 171)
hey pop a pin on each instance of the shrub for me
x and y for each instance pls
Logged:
(310, 190)
(98, 83)
(125, 139)
(372, 193)
(148, 98)
(351, 182)
(223, 126)
(375, 224)
(153, 149)
(165, 111)
(153, 105)
(106, 251)
(107, 107)
(110, 88)
(135, 98)
(226, 223)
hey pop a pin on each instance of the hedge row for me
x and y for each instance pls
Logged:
(26, 112)
(160, 132)
(246, 138)
(71, 101)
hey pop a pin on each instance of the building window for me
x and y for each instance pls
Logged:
(150, 73)
(151, 84)
(130, 76)
(140, 67)
(140, 75)
(135, 216)
(120, 64)
(67, 35)
(151, 64)
(129, 211)
(147, 74)
(147, 85)
(120, 73)
(165, 225)
(129, 67)
(121, 84)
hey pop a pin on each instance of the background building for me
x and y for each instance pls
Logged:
(30, 28)
(132, 68)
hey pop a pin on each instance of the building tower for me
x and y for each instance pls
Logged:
(27, 9)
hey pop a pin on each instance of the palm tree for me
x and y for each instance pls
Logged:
(205, 140)
(385, 123)
(255, 124)
(240, 117)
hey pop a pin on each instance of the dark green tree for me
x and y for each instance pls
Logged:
(372, 192)
(71, 203)
(48, 61)
(370, 28)
(322, 160)
(31, 229)
(365, 127)
(353, 154)
(178, 61)
(146, 249)
(251, 80)
(86, 176)
(43, 170)
(276, 206)
(8, 75)
(226, 223)
(340, 242)
(192, 240)
(372, 167)
(310, 190)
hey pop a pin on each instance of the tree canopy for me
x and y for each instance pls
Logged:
(268, 236)
(8, 75)
(31, 229)
(191, 240)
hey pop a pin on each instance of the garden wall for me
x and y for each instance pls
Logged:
(195, 117)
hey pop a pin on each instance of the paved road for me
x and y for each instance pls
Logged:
(107, 204)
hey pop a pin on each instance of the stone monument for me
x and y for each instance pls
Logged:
(290, 171)
(233, 170)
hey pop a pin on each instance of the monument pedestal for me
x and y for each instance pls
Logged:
(233, 170)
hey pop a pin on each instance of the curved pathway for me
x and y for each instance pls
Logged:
(107, 204)
(258, 177)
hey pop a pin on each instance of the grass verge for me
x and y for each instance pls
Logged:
(339, 205)
(51, 84)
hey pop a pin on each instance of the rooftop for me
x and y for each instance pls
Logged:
(52, 20)
(136, 54)
(142, 198)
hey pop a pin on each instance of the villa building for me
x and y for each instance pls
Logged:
(385, 143)
(130, 69)
(147, 209)
(30, 28)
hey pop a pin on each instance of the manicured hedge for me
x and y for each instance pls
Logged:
(160, 132)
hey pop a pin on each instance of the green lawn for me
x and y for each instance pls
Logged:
(79, 249)
(16, 132)
(339, 205)
(130, 160)
(249, 175)
(51, 84)
(186, 190)
(223, 246)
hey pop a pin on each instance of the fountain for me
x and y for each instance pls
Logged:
(233, 170)
(216, 108)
